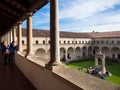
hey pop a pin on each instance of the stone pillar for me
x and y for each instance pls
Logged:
(87, 52)
(19, 37)
(81, 53)
(46, 56)
(110, 53)
(29, 34)
(11, 38)
(103, 66)
(96, 61)
(66, 54)
(7, 39)
(14, 34)
(54, 33)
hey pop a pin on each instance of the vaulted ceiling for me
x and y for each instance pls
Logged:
(13, 11)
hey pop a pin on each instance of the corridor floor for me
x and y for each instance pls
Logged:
(11, 78)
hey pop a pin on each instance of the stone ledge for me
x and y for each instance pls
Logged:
(82, 80)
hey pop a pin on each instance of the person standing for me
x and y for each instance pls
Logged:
(13, 50)
(6, 52)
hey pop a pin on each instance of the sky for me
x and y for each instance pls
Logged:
(81, 16)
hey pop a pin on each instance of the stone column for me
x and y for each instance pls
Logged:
(87, 52)
(66, 54)
(96, 61)
(103, 66)
(8, 38)
(11, 38)
(54, 33)
(14, 34)
(29, 34)
(110, 54)
(19, 37)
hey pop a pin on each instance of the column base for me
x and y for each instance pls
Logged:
(50, 66)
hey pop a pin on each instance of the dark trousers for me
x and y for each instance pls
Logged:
(11, 57)
(6, 59)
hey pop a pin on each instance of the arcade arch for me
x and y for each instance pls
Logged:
(84, 51)
(90, 51)
(115, 53)
(105, 50)
(62, 52)
(95, 49)
(70, 53)
(40, 53)
(77, 51)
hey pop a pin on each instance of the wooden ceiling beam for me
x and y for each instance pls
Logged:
(16, 4)
(7, 16)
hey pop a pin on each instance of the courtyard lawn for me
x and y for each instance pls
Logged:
(113, 68)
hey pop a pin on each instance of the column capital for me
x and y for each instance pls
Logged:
(20, 22)
(29, 13)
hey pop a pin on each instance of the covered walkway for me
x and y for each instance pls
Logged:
(11, 78)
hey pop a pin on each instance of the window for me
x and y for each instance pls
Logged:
(49, 42)
(64, 42)
(72, 41)
(94, 42)
(82, 42)
(97, 41)
(23, 42)
(76, 42)
(89, 42)
(107, 42)
(86, 42)
(112, 42)
(36, 41)
(60, 42)
(68, 42)
(43, 42)
(102, 42)
(118, 42)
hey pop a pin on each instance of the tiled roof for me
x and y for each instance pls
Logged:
(112, 34)
(46, 33)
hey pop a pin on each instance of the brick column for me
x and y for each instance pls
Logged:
(19, 37)
(29, 34)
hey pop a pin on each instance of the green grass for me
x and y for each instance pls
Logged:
(114, 68)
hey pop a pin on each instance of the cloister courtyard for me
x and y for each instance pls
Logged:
(111, 67)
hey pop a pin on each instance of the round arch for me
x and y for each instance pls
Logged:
(77, 51)
(70, 53)
(84, 53)
(62, 52)
(115, 51)
(95, 49)
(105, 50)
(40, 53)
(90, 51)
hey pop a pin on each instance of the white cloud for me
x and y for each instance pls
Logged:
(82, 9)
(82, 15)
